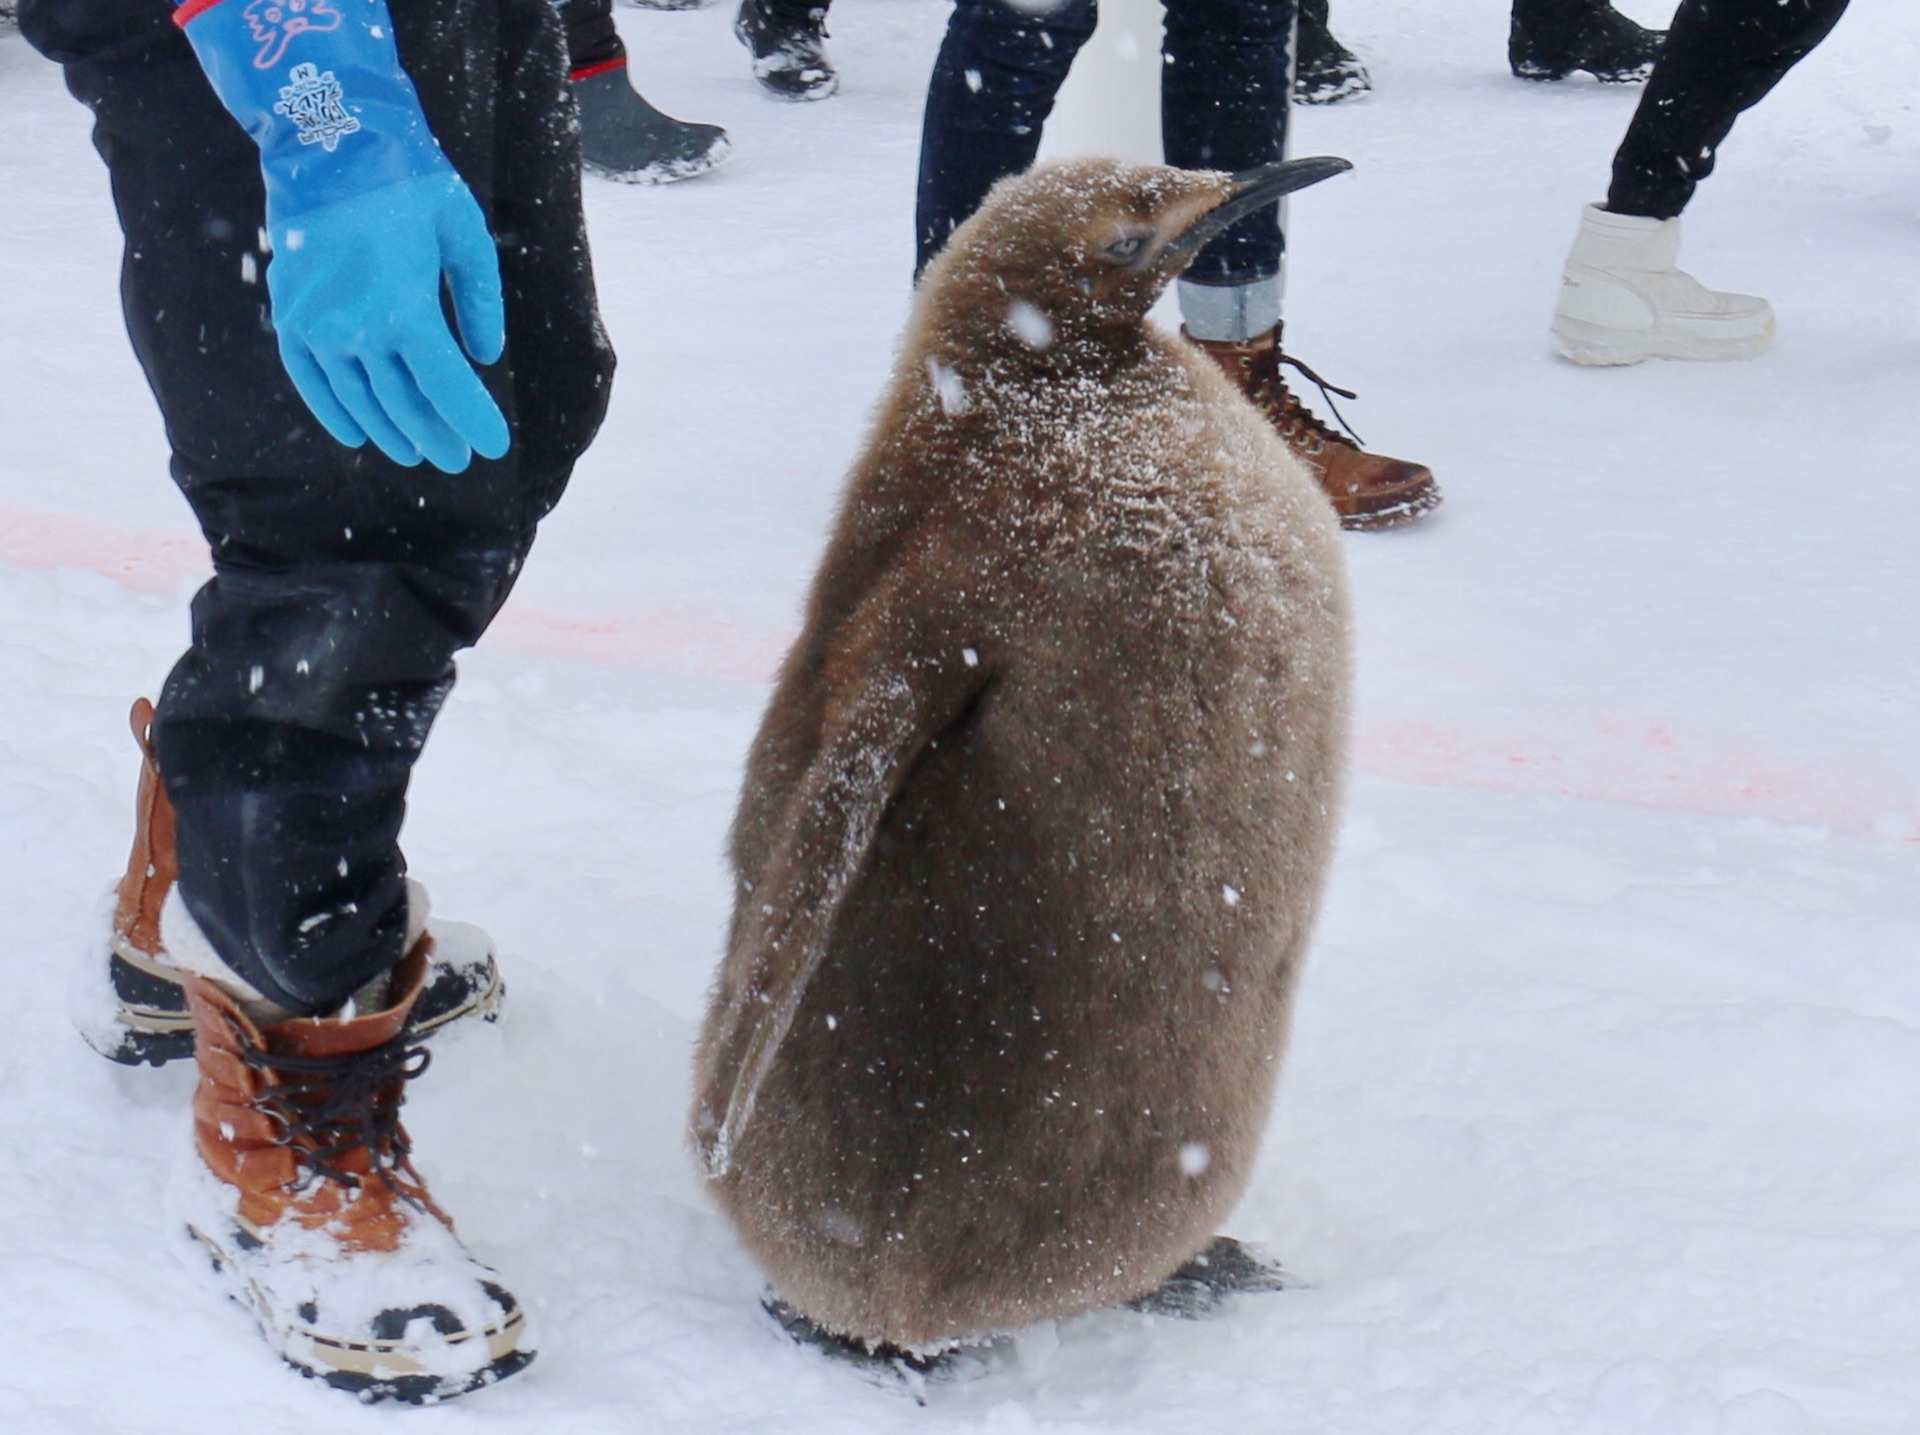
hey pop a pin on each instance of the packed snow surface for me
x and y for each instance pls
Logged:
(1599, 1113)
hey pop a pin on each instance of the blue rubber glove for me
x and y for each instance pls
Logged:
(365, 216)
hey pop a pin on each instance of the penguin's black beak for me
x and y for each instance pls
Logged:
(1252, 189)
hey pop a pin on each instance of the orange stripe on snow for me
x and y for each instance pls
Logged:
(1647, 763)
(138, 558)
(668, 641)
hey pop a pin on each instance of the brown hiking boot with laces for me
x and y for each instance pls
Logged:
(306, 1197)
(1368, 490)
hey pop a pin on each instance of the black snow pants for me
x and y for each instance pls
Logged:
(1720, 58)
(592, 41)
(1223, 105)
(344, 584)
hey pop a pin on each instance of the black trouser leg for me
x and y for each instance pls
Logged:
(1720, 58)
(1554, 17)
(1223, 105)
(992, 89)
(591, 36)
(797, 14)
(343, 585)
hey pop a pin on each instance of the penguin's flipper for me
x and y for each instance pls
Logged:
(891, 691)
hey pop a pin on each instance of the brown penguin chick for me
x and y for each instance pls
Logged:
(1034, 829)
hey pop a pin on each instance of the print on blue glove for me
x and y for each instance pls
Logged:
(365, 217)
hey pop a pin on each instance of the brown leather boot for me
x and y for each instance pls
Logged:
(147, 1019)
(306, 1197)
(1368, 490)
(140, 1013)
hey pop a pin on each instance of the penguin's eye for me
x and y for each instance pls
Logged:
(1125, 249)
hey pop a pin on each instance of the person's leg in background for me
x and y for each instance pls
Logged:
(1223, 100)
(993, 86)
(1623, 297)
(1546, 40)
(622, 136)
(788, 42)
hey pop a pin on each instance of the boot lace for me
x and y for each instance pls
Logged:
(1306, 416)
(330, 1106)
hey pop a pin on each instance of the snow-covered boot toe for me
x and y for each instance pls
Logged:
(789, 53)
(126, 997)
(1622, 299)
(304, 1194)
(1324, 70)
(623, 137)
(1551, 39)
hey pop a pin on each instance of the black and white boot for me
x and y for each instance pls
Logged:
(1324, 70)
(789, 49)
(1550, 39)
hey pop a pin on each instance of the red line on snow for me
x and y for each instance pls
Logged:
(1638, 761)
(667, 640)
(1646, 763)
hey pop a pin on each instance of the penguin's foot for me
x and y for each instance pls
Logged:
(1201, 1287)
(891, 1367)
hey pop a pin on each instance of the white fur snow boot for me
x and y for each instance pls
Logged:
(1622, 300)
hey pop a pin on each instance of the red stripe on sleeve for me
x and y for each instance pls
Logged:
(580, 74)
(184, 13)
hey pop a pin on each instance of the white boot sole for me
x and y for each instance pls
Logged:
(370, 1368)
(1699, 340)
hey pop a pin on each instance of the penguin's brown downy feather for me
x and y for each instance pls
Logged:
(1034, 828)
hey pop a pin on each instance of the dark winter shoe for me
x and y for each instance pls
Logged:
(623, 137)
(138, 1013)
(307, 1200)
(1550, 39)
(789, 56)
(1367, 490)
(1324, 71)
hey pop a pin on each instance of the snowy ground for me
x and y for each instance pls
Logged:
(1599, 1117)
